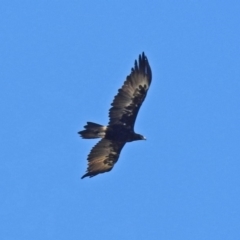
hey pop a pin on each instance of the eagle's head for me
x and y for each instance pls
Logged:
(138, 137)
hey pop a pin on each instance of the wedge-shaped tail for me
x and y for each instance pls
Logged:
(93, 130)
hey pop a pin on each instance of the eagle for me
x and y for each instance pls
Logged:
(122, 117)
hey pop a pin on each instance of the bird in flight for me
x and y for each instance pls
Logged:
(122, 116)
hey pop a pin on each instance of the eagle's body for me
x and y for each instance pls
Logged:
(122, 116)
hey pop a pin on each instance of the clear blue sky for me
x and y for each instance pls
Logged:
(61, 65)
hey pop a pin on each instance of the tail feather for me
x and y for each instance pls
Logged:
(93, 130)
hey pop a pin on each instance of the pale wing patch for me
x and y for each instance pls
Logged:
(130, 97)
(103, 156)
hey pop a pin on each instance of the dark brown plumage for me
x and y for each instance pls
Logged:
(122, 116)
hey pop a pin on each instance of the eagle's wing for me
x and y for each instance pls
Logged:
(130, 97)
(103, 156)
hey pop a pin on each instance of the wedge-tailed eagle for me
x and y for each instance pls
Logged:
(122, 116)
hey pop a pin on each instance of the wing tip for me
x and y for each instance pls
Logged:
(143, 65)
(85, 175)
(88, 174)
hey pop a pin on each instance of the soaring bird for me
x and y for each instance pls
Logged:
(122, 116)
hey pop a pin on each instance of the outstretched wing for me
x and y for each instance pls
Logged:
(130, 97)
(103, 156)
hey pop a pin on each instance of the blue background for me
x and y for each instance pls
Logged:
(61, 65)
